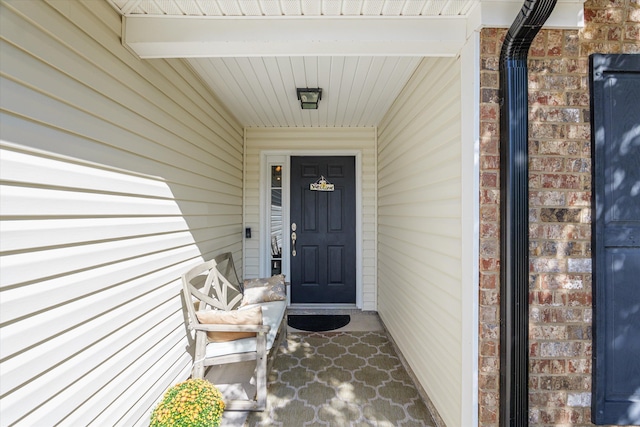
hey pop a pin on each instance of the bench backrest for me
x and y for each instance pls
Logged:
(226, 267)
(212, 286)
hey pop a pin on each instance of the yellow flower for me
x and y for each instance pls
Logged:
(191, 403)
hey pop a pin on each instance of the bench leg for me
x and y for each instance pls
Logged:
(261, 372)
(285, 331)
(198, 359)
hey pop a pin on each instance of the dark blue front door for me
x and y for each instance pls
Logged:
(323, 257)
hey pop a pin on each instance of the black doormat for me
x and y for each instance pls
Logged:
(318, 322)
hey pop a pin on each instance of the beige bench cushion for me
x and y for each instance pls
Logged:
(272, 314)
(248, 316)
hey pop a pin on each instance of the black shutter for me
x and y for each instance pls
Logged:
(615, 139)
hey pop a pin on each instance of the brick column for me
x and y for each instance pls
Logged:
(560, 231)
(560, 212)
(489, 375)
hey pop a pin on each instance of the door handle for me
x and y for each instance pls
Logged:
(294, 237)
(293, 243)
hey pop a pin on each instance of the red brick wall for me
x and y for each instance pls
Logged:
(560, 212)
(489, 364)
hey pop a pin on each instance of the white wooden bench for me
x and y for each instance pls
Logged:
(214, 285)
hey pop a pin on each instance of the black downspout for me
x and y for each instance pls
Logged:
(514, 208)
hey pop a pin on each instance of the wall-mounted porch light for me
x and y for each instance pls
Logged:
(309, 97)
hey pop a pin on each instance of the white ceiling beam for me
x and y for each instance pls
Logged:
(194, 37)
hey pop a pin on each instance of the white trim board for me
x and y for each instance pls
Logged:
(197, 37)
(470, 219)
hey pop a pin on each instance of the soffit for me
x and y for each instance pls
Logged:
(254, 53)
(295, 7)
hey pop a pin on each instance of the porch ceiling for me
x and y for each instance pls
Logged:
(254, 53)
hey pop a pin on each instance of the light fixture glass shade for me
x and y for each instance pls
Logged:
(309, 97)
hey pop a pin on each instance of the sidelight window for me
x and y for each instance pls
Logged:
(276, 219)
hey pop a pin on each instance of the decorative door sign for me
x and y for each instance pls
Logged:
(321, 185)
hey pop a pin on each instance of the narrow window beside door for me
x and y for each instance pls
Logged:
(275, 219)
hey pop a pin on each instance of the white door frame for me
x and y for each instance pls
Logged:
(283, 157)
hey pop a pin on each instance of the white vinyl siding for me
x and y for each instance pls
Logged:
(117, 175)
(420, 230)
(296, 141)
